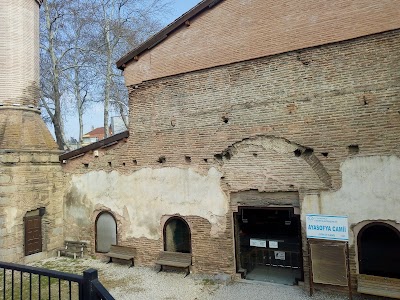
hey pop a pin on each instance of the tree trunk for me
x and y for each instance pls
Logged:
(56, 95)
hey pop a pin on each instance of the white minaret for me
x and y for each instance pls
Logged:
(21, 127)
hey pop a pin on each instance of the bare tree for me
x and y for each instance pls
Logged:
(80, 42)
(53, 52)
(81, 59)
(123, 24)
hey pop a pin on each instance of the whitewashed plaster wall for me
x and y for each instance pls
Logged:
(370, 191)
(143, 197)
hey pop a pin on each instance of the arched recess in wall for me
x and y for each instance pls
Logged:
(106, 231)
(378, 250)
(273, 164)
(177, 236)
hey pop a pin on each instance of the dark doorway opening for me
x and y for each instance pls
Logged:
(177, 236)
(378, 250)
(268, 244)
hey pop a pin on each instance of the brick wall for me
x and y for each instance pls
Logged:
(210, 255)
(24, 129)
(248, 119)
(325, 98)
(237, 30)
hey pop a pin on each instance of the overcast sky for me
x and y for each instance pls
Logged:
(94, 118)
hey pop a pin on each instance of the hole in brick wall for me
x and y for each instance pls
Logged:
(255, 154)
(86, 165)
(225, 119)
(188, 159)
(135, 162)
(297, 152)
(162, 160)
(206, 160)
(308, 151)
(227, 155)
(291, 186)
(353, 149)
(109, 164)
(223, 177)
(123, 164)
(325, 154)
(365, 100)
(302, 60)
(218, 157)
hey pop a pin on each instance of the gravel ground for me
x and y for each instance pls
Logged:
(145, 283)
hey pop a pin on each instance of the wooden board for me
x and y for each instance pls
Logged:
(329, 263)
(379, 286)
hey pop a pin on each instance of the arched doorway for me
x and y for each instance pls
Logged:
(378, 250)
(177, 236)
(106, 232)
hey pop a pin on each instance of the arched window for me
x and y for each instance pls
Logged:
(378, 250)
(106, 232)
(177, 236)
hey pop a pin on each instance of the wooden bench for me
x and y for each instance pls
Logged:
(72, 248)
(121, 252)
(175, 259)
(378, 286)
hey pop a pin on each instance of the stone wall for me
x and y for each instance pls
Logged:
(29, 181)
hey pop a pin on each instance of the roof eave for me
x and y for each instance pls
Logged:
(112, 140)
(163, 34)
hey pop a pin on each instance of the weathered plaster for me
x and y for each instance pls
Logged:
(11, 214)
(147, 195)
(370, 191)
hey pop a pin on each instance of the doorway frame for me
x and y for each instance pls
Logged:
(236, 237)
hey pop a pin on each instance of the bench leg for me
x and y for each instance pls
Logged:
(110, 260)
(132, 264)
(188, 272)
(74, 255)
(161, 268)
(59, 253)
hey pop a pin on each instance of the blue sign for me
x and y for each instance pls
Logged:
(327, 227)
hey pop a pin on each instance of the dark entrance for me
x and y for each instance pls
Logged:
(378, 250)
(268, 244)
(33, 234)
(177, 236)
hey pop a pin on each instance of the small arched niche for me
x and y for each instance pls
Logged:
(177, 237)
(378, 250)
(106, 232)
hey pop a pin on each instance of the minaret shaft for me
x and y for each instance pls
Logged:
(19, 52)
(21, 127)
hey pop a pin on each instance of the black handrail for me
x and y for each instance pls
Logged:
(101, 291)
(89, 287)
(43, 272)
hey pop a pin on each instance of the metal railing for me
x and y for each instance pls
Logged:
(24, 282)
